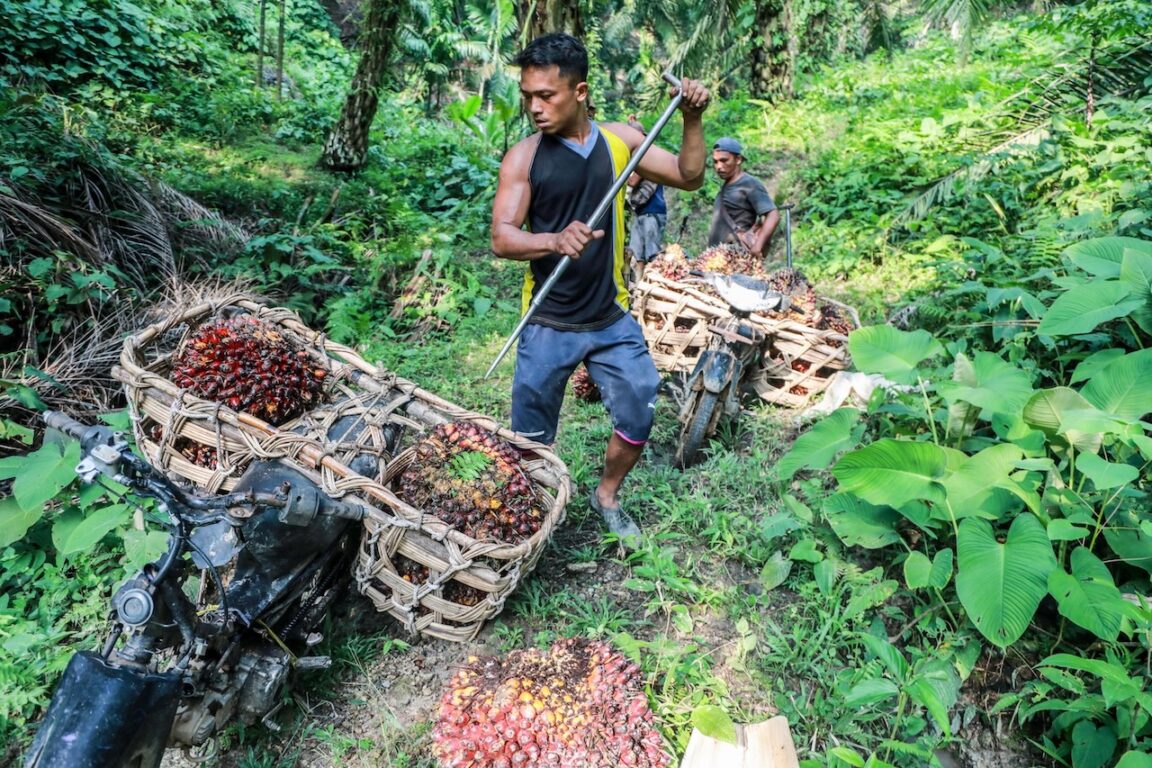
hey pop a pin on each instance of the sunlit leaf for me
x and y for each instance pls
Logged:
(1080, 309)
(891, 352)
(714, 722)
(999, 584)
(998, 386)
(1124, 386)
(816, 448)
(894, 472)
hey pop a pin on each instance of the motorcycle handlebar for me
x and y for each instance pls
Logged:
(65, 423)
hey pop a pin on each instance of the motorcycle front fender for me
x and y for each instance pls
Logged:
(103, 716)
(716, 370)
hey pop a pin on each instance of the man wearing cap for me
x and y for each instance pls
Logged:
(744, 212)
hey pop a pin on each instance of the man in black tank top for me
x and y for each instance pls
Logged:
(550, 183)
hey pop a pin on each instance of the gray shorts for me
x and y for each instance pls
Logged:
(647, 238)
(617, 359)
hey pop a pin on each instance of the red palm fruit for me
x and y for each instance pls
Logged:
(248, 365)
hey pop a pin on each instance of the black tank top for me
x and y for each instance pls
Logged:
(567, 187)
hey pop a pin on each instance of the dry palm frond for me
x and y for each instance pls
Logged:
(76, 372)
(20, 219)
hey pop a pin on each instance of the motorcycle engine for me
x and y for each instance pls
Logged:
(250, 693)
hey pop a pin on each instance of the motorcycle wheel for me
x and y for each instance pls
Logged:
(703, 414)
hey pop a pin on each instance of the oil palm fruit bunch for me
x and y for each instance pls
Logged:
(789, 281)
(832, 318)
(672, 263)
(583, 386)
(244, 363)
(454, 591)
(730, 259)
(472, 480)
(578, 703)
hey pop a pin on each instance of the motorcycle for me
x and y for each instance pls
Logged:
(714, 385)
(212, 630)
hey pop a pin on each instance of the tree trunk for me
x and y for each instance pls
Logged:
(280, 53)
(772, 58)
(347, 146)
(260, 48)
(539, 17)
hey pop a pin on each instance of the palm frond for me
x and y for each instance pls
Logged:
(28, 221)
(1120, 70)
(943, 189)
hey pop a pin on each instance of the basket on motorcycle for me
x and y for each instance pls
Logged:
(210, 444)
(468, 580)
(798, 363)
(802, 350)
(437, 580)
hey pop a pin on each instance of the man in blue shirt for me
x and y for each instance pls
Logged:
(650, 214)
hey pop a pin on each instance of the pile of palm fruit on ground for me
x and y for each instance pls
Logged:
(578, 703)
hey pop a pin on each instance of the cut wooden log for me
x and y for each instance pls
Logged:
(760, 745)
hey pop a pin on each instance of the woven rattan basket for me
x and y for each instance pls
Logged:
(391, 413)
(466, 580)
(798, 360)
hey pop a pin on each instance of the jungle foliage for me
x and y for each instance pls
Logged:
(987, 190)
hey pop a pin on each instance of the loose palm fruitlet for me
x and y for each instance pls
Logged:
(472, 480)
(583, 386)
(579, 704)
(247, 365)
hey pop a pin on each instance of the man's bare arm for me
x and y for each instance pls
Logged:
(685, 170)
(758, 239)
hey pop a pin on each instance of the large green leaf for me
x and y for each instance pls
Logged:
(1055, 411)
(1081, 309)
(891, 352)
(982, 486)
(860, 524)
(15, 520)
(894, 472)
(42, 474)
(1088, 597)
(1105, 474)
(75, 532)
(1123, 386)
(1092, 747)
(999, 387)
(816, 448)
(1136, 273)
(1094, 363)
(1103, 256)
(999, 584)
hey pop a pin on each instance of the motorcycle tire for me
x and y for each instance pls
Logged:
(703, 415)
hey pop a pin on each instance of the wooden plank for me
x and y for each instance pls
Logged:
(767, 744)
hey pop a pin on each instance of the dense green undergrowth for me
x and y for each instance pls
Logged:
(856, 589)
